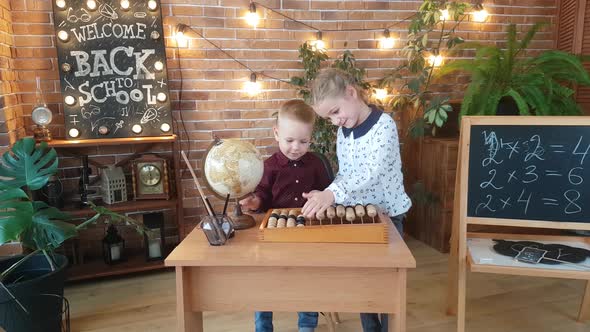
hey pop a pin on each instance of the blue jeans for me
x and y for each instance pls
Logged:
(379, 322)
(263, 320)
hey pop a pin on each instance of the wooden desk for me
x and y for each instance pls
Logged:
(247, 275)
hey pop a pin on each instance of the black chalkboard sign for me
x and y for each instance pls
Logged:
(531, 172)
(112, 65)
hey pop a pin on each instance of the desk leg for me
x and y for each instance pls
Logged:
(188, 320)
(585, 307)
(397, 320)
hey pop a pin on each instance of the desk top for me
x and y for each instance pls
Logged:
(245, 250)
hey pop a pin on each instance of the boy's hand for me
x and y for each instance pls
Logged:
(317, 201)
(251, 202)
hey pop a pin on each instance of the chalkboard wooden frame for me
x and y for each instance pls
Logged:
(459, 259)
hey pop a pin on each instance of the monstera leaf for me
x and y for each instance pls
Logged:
(47, 228)
(28, 164)
(15, 213)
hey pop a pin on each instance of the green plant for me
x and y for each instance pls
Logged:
(324, 134)
(39, 227)
(539, 85)
(429, 34)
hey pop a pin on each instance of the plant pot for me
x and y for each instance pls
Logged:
(38, 289)
(507, 106)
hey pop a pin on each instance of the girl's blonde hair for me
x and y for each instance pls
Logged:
(331, 83)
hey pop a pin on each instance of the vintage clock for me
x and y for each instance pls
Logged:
(150, 178)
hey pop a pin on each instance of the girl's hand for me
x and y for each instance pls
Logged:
(317, 201)
(251, 203)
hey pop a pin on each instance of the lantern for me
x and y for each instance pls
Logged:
(154, 238)
(113, 246)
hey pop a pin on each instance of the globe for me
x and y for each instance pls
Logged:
(234, 167)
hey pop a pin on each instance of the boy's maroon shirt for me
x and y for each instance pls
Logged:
(285, 180)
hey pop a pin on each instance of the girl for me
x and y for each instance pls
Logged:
(368, 158)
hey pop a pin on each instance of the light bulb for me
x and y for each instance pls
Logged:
(480, 15)
(60, 4)
(63, 35)
(252, 87)
(318, 45)
(161, 97)
(91, 4)
(152, 5)
(136, 129)
(125, 4)
(158, 65)
(70, 100)
(380, 94)
(155, 35)
(444, 15)
(74, 132)
(165, 127)
(252, 17)
(435, 60)
(387, 42)
(181, 39)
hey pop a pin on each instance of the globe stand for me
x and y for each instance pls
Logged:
(242, 221)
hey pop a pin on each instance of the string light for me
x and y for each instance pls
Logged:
(91, 4)
(435, 60)
(444, 15)
(252, 87)
(152, 5)
(61, 4)
(158, 65)
(136, 129)
(74, 132)
(380, 94)
(252, 17)
(181, 40)
(161, 97)
(387, 41)
(63, 35)
(125, 4)
(318, 45)
(480, 15)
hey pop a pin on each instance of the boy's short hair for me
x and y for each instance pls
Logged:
(332, 82)
(297, 109)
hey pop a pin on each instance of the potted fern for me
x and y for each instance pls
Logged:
(41, 229)
(539, 85)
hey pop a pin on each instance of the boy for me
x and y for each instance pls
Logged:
(289, 173)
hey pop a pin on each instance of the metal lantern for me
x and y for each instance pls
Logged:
(154, 238)
(113, 246)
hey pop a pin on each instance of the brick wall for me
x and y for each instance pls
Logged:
(212, 103)
(10, 112)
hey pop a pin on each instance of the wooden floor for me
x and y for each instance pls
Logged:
(495, 303)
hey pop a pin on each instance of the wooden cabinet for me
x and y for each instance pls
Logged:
(430, 219)
(84, 251)
(573, 35)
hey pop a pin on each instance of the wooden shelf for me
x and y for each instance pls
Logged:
(99, 269)
(65, 143)
(131, 206)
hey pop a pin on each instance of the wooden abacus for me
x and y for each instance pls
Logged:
(358, 224)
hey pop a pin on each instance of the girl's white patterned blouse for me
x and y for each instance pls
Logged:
(369, 164)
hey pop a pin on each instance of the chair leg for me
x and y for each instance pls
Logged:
(330, 322)
(336, 317)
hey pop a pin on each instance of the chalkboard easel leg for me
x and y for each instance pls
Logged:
(584, 314)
